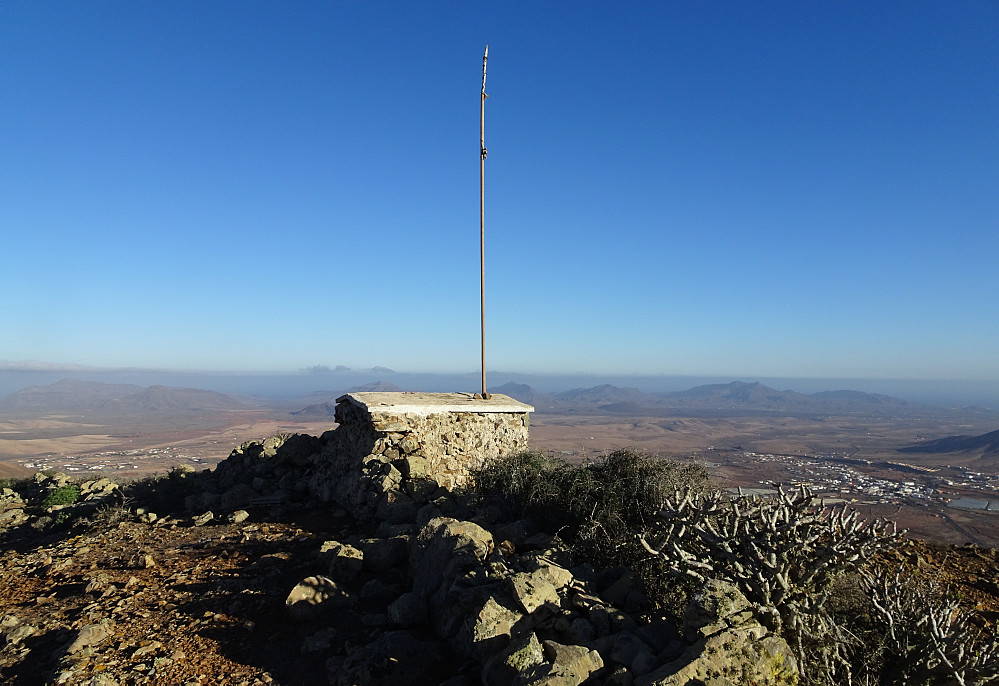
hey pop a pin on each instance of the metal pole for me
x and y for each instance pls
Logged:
(482, 217)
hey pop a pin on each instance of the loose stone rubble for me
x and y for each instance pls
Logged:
(417, 583)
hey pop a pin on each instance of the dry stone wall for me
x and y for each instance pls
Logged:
(377, 449)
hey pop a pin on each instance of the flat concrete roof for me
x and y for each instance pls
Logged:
(433, 403)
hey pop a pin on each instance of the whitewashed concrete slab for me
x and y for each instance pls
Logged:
(433, 403)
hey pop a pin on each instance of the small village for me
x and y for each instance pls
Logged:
(117, 461)
(840, 479)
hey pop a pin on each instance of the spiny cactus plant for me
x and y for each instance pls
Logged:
(927, 636)
(782, 553)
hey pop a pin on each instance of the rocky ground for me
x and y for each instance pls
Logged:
(968, 572)
(120, 594)
(171, 602)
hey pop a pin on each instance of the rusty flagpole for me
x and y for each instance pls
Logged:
(482, 217)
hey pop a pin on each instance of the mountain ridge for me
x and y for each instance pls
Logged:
(71, 396)
(95, 397)
(988, 443)
(736, 397)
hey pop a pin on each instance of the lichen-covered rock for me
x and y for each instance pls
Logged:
(529, 662)
(97, 489)
(238, 517)
(716, 602)
(522, 660)
(730, 658)
(10, 496)
(533, 590)
(12, 517)
(343, 561)
(204, 518)
(91, 634)
(444, 549)
(559, 577)
(313, 596)
(729, 647)
(570, 665)
(490, 628)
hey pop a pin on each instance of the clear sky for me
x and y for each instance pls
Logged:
(708, 188)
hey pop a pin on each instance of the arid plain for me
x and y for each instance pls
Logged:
(850, 457)
(756, 452)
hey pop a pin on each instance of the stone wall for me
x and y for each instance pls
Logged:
(410, 441)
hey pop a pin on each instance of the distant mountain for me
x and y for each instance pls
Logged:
(757, 397)
(524, 393)
(375, 387)
(170, 399)
(94, 398)
(738, 397)
(317, 410)
(35, 365)
(606, 394)
(857, 399)
(327, 408)
(609, 399)
(629, 409)
(988, 444)
(67, 395)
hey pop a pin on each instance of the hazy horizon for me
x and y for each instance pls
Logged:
(284, 384)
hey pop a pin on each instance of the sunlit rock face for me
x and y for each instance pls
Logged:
(386, 439)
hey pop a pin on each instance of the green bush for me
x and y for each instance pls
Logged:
(64, 495)
(616, 495)
(599, 507)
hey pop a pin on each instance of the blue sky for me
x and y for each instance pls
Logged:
(700, 188)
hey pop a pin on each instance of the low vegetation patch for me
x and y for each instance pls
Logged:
(599, 507)
(166, 492)
(599, 501)
(64, 495)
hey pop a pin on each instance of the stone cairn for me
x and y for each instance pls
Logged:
(393, 450)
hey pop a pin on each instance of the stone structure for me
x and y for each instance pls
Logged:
(384, 439)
